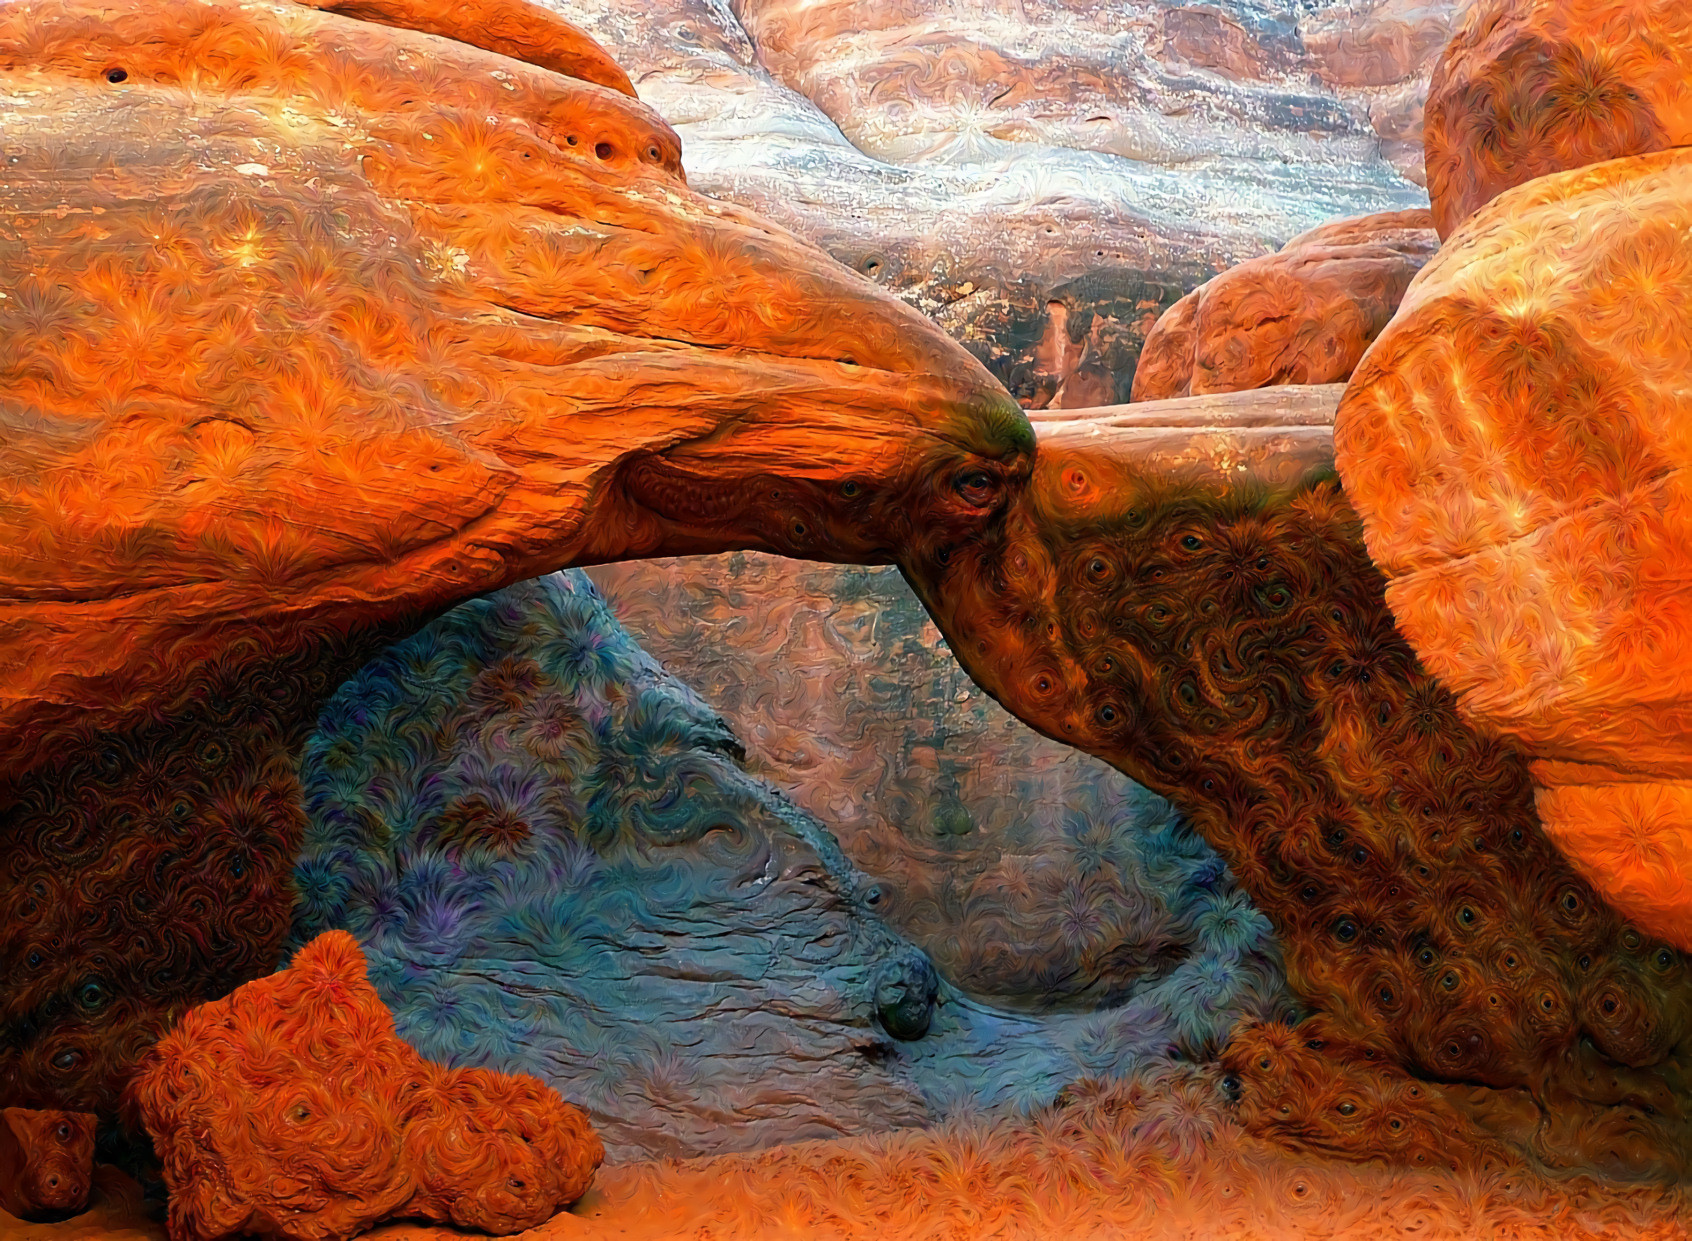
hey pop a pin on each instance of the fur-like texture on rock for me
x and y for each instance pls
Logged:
(291, 1109)
(46, 1161)
(1531, 87)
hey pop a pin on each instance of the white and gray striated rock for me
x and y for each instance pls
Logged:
(1044, 177)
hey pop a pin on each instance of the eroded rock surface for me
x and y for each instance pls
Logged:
(1516, 446)
(314, 326)
(1530, 87)
(1188, 595)
(1045, 178)
(1303, 315)
(556, 866)
(289, 1109)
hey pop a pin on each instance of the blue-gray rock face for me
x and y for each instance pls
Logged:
(556, 864)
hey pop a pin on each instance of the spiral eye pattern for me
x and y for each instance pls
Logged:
(1249, 669)
(149, 870)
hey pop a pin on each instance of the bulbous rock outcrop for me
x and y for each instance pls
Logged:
(46, 1162)
(315, 326)
(1183, 590)
(1517, 446)
(290, 1109)
(1531, 87)
(1303, 315)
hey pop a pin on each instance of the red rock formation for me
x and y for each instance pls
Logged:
(313, 328)
(46, 1161)
(1515, 443)
(1530, 87)
(290, 1109)
(1189, 597)
(1302, 316)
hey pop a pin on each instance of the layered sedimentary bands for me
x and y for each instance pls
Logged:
(1043, 178)
(556, 865)
(1303, 315)
(315, 327)
(1516, 443)
(1194, 603)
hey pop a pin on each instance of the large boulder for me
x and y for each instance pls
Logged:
(1303, 315)
(1516, 443)
(313, 327)
(1530, 87)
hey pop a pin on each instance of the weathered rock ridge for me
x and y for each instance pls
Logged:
(1183, 589)
(1303, 315)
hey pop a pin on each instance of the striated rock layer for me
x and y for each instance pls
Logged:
(1029, 871)
(1303, 315)
(1530, 87)
(316, 326)
(289, 1109)
(1044, 178)
(555, 865)
(1517, 446)
(1183, 589)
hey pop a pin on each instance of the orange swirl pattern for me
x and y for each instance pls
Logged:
(1517, 443)
(317, 323)
(1531, 87)
(291, 1109)
(1303, 315)
(1194, 603)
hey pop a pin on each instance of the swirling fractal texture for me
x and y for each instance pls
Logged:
(1531, 87)
(314, 327)
(290, 1109)
(1517, 443)
(1198, 608)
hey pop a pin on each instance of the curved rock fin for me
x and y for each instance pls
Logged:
(513, 28)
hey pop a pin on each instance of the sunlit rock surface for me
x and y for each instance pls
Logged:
(1303, 315)
(1516, 443)
(1183, 590)
(1531, 87)
(1043, 178)
(555, 865)
(313, 326)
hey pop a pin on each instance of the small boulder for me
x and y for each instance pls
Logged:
(1301, 316)
(291, 1109)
